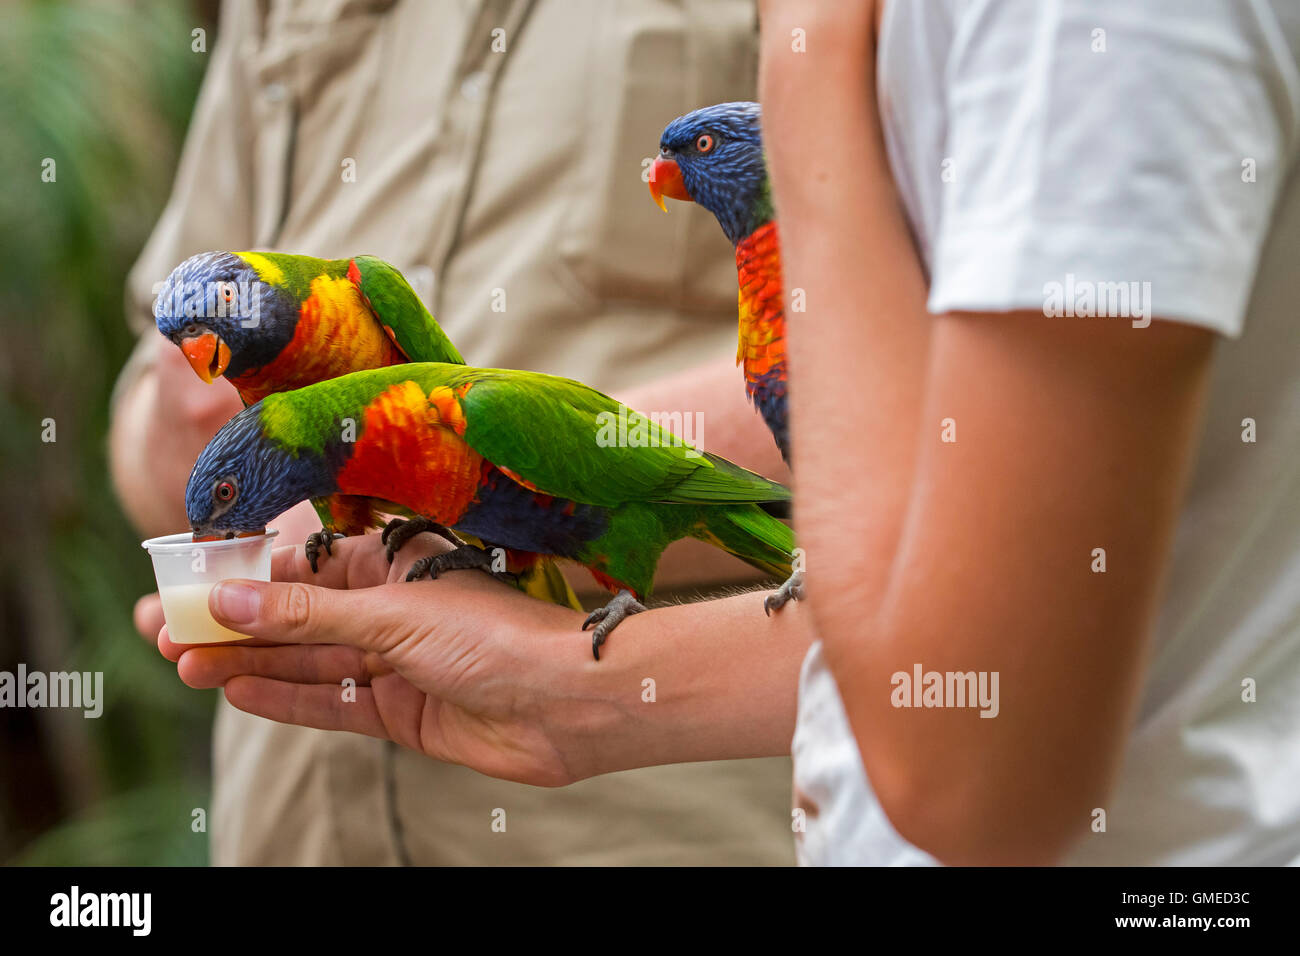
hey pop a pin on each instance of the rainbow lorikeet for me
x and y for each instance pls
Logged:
(714, 157)
(271, 322)
(510, 456)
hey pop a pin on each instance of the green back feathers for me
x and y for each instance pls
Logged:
(552, 432)
(309, 419)
(391, 298)
(564, 437)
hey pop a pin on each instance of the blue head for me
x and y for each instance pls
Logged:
(243, 480)
(714, 156)
(224, 317)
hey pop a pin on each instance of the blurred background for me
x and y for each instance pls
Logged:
(82, 82)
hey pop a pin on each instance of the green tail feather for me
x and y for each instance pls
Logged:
(750, 534)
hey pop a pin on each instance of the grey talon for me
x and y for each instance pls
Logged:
(622, 606)
(791, 590)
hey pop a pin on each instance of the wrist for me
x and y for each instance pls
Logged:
(584, 706)
(659, 694)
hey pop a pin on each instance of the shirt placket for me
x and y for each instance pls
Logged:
(459, 142)
(275, 109)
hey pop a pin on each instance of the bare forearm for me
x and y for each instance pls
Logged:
(858, 352)
(708, 681)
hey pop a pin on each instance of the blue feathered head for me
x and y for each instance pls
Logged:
(714, 156)
(223, 316)
(243, 479)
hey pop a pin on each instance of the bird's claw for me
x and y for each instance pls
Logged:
(791, 590)
(623, 605)
(401, 530)
(317, 542)
(467, 557)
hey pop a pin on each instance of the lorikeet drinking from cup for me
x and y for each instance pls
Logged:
(509, 456)
(714, 157)
(269, 322)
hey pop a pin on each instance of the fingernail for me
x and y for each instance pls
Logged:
(237, 603)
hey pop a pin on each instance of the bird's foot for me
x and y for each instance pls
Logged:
(624, 604)
(401, 530)
(317, 542)
(792, 590)
(467, 557)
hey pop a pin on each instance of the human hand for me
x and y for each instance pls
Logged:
(463, 669)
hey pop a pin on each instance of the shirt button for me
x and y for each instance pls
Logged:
(474, 85)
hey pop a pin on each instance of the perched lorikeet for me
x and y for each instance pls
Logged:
(714, 157)
(271, 322)
(512, 457)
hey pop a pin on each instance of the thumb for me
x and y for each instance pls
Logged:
(297, 613)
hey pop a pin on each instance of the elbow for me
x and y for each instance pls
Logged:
(982, 820)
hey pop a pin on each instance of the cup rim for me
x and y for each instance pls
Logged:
(184, 541)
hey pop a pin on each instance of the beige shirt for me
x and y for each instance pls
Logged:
(493, 150)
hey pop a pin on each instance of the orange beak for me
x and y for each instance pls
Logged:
(666, 180)
(207, 355)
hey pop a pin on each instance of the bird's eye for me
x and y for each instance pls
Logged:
(224, 491)
(227, 291)
(704, 143)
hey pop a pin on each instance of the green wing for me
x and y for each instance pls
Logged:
(556, 434)
(567, 440)
(401, 312)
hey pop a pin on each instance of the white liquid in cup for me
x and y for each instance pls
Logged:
(186, 571)
(185, 607)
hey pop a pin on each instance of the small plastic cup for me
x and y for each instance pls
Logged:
(186, 570)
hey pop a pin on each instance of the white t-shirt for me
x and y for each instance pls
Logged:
(1070, 142)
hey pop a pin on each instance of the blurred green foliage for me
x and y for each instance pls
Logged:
(104, 90)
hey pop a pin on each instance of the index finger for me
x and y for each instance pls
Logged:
(173, 651)
(353, 562)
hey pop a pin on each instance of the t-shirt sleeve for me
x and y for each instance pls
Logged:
(1099, 148)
